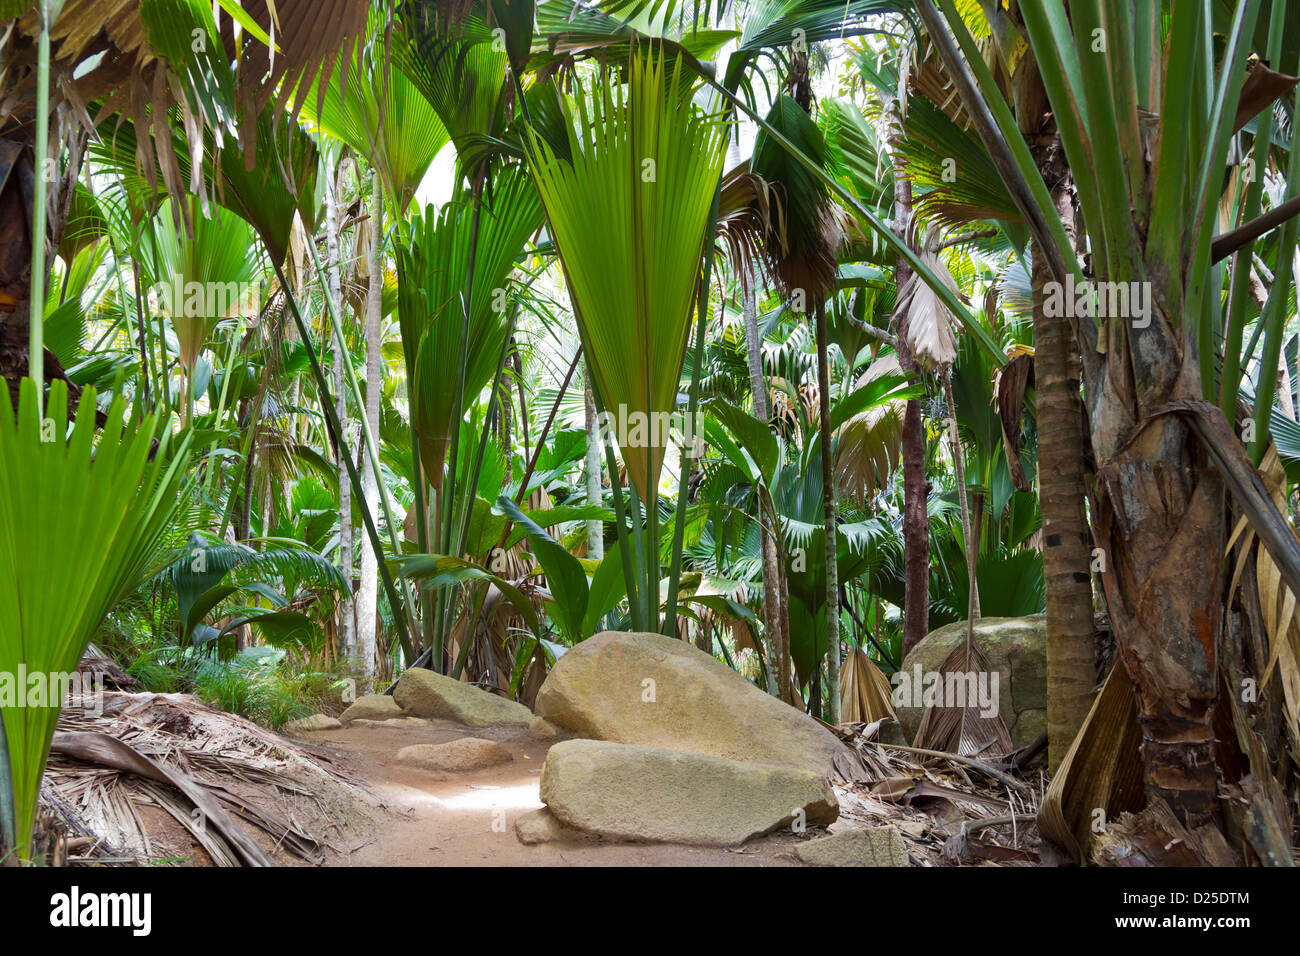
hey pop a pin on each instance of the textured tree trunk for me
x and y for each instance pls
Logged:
(1067, 542)
(916, 487)
(832, 520)
(368, 590)
(1160, 521)
(347, 620)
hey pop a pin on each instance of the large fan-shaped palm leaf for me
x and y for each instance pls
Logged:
(77, 524)
(629, 213)
(374, 107)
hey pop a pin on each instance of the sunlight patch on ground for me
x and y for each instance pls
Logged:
(525, 797)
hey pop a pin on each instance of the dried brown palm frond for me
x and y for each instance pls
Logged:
(865, 692)
(498, 626)
(1009, 388)
(963, 730)
(926, 323)
(810, 398)
(257, 791)
(802, 240)
(1277, 604)
(783, 417)
(1101, 775)
(746, 210)
(101, 53)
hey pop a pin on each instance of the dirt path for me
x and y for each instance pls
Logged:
(468, 819)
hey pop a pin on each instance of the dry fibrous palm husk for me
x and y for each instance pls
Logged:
(1155, 837)
(1101, 775)
(237, 791)
(964, 730)
(927, 324)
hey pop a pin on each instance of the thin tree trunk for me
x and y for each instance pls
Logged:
(832, 520)
(595, 529)
(916, 487)
(963, 500)
(1067, 542)
(771, 558)
(368, 591)
(347, 621)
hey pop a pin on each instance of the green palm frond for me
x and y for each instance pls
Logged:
(628, 213)
(954, 179)
(77, 523)
(461, 71)
(222, 253)
(433, 258)
(375, 108)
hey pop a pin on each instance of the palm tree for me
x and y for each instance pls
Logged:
(627, 195)
(46, 50)
(1164, 454)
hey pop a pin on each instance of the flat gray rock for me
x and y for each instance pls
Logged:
(626, 792)
(468, 753)
(877, 846)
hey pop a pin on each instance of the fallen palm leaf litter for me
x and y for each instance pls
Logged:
(235, 790)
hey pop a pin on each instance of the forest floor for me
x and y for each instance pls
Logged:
(438, 818)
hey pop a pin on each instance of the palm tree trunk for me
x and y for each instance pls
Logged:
(968, 530)
(347, 621)
(832, 520)
(916, 487)
(1160, 521)
(1067, 542)
(771, 568)
(368, 591)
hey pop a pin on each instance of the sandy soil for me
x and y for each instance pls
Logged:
(468, 819)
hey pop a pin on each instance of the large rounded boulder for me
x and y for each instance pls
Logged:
(1014, 647)
(656, 691)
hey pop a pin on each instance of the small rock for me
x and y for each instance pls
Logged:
(468, 753)
(425, 694)
(394, 723)
(314, 722)
(541, 729)
(541, 826)
(372, 707)
(878, 846)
